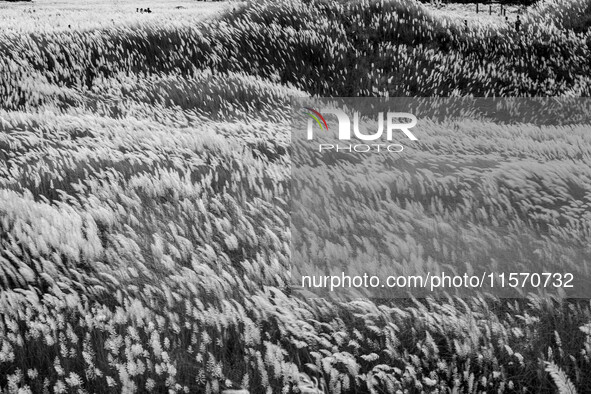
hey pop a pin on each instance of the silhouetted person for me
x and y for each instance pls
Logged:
(148, 10)
(517, 23)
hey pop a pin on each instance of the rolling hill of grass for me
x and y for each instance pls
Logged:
(145, 190)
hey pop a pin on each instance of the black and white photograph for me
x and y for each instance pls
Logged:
(295, 196)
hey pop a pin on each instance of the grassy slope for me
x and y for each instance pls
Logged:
(141, 213)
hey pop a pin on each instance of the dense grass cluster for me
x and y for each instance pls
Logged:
(145, 193)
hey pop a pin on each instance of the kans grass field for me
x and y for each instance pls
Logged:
(145, 188)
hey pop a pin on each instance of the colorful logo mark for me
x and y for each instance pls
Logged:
(317, 117)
